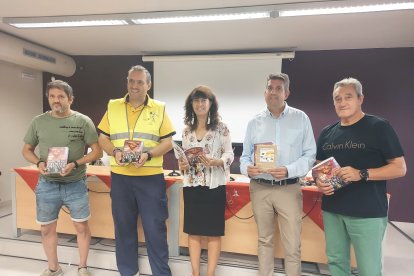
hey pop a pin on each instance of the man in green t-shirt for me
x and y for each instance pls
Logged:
(62, 132)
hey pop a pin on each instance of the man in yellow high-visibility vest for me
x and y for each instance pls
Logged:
(138, 187)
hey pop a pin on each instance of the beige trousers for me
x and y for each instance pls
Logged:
(287, 202)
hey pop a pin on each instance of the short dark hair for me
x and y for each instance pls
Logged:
(61, 85)
(201, 92)
(280, 76)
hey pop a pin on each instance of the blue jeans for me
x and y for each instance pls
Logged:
(52, 195)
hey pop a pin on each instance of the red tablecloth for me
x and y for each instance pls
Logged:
(312, 201)
(238, 196)
(31, 176)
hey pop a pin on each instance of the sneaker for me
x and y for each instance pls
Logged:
(48, 272)
(83, 271)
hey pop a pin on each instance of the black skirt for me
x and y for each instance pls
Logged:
(204, 210)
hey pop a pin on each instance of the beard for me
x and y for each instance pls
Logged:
(59, 108)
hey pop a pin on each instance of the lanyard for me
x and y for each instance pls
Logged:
(133, 130)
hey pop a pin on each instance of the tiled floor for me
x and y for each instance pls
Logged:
(24, 256)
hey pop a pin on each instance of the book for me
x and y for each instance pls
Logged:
(190, 155)
(324, 172)
(57, 159)
(131, 152)
(265, 155)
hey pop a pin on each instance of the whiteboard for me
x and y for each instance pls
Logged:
(239, 86)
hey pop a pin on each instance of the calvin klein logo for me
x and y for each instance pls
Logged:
(347, 145)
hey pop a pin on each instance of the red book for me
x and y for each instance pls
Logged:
(191, 154)
(324, 172)
(131, 151)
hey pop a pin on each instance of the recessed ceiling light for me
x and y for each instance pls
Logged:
(355, 9)
(202, 18)
(81, 23)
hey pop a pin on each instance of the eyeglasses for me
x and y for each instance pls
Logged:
(138, 82)
(200, 100)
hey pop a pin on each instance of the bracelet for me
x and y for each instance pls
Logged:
(76, 164)
(38, 163)
(115, 150)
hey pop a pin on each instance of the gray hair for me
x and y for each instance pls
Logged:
(61, 85)
(356, 84)
(141, 69)
(280, 76)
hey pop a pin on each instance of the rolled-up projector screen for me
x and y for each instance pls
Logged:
(239, 86)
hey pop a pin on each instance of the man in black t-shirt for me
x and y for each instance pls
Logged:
(369, 153)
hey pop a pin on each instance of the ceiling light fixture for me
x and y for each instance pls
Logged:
(212, 57)
(354, 9)
(218, 14)
(203, 18)
(81, 23)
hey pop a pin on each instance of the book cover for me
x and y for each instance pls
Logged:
(57, 159)
(265, 155)
(324, 172)
(191, 154)
(131, 151)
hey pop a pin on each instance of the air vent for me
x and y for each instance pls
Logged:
(40, 56)
(29, 55)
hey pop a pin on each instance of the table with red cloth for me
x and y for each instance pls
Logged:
(241, 232)
(24, 182)
(238, 196)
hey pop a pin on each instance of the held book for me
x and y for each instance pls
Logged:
(191, 154)
(57, 159)
(131, 151)
(265, 155)
(324, 172)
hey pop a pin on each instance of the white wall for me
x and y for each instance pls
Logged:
(20, 100)
(238, 84)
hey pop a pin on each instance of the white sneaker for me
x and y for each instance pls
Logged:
(48, 272)
(83, 271)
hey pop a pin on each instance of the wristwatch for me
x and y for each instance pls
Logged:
(364, 174)
(149, 155)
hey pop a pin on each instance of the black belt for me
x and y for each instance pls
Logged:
(277, 182)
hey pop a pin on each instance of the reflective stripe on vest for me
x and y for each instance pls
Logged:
(139, 136)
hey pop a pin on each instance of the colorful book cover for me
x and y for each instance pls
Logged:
(324, 172)
(131, 151)
(57, 159)
(265, 155)
(191, 154)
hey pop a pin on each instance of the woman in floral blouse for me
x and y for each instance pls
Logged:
(204, 180)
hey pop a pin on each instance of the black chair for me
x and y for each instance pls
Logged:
(171, 163)
(235, 167)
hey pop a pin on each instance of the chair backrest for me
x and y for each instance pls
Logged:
(235, 166)
(170, 162)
